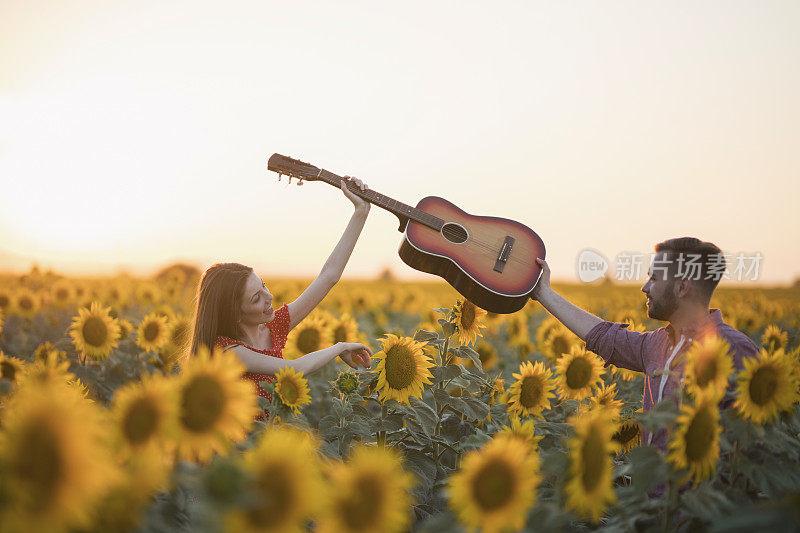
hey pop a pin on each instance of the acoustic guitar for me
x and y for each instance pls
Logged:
(491, 261)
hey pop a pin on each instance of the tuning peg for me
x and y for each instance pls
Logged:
(279, 176)
(299, 182)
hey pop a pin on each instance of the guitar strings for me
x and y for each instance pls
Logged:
(449, 234)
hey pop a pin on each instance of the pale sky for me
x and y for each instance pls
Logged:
(136, 133)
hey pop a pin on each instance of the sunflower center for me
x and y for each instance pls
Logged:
(762, 385)
(95, 332)
(560, 346)
(277, 497)
(151, 331)
(467, 315)
(62, 294)
(140, 421)
(494, 484)
(361, 508)
(400, 367)
(39, 463)
(530, 392)
(699, 436)
(308, 340)
(8, 370)
(578, 373)
(289, 392)
(593, 454)
(25, 303)
(203, 403)
(4, 300)
(706, 370)
(627, 432)
(340, 334)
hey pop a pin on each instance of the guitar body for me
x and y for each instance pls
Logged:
(489, 260)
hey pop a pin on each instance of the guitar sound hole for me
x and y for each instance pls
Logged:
(454, 233)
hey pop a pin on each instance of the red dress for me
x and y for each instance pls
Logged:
(279, 329)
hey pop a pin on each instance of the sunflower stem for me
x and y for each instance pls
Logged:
(382, 433)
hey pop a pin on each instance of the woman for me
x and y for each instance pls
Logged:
(234, 311)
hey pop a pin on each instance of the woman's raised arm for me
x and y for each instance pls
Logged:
(332, 270)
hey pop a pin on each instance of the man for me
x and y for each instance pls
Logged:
(682, 277)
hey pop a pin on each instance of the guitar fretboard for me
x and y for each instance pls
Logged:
(390, 204)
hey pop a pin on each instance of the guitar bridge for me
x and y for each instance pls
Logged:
(502, 257)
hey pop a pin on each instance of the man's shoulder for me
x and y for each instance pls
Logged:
(739, 341)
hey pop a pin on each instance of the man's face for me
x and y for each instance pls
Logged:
(660, 289)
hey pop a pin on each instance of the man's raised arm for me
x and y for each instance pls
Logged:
(578, 321)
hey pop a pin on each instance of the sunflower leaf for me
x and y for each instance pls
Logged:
(446, 373)
(425, 336)
(465, 352)
(425, 415)
(476, 409)
(457, 404)
(421, 464)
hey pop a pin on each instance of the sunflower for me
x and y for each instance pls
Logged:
(605, 397)
(11, 368)
(628, 435)
(496, 486)
(467, 317)
(345, 329)
(41, 352)
(487, 353)
(522, 431)
(54, 460)
(543, 331)
(178, 338)
(767, 384)
(559, 341)
(309, 336)
(285, 477)
(216, 405)
(292, 389)
(372, 493)
(708, 366)
(346, 382)
(147, 294)
(62, 293)
(117, 294)
(623, 373)
(2, 319)
(403, 368)
(48, 371)
(153, 332)
(531, 393)
(94, 331)
(26, 303)
(590, 487)
(578, 373)
(145, 415)
(695, 444)
(774, 339)
(125, 328)
(517, 328)
(6, 300)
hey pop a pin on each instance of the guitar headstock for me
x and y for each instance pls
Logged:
(294, 168)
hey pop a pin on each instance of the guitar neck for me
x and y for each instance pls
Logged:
(403, 211)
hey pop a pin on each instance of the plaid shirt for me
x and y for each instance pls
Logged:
(656, 354)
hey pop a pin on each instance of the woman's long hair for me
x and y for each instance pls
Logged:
(218, 304)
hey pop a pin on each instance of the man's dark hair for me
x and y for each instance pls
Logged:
(700, 261)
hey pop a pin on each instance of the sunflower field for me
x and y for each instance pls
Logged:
(466, 421)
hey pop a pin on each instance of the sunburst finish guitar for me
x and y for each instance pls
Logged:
(491, 261)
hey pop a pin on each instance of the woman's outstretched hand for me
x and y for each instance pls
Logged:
(360, 204)
(355, 353)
